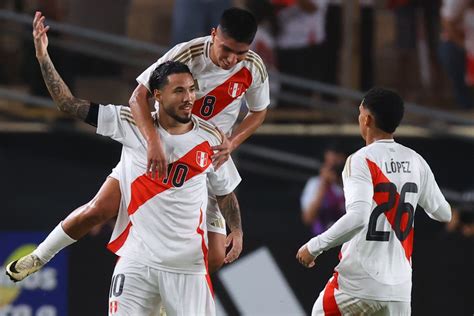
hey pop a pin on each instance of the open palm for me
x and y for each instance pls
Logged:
(39, 35)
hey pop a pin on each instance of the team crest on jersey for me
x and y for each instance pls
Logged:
(202, 158)
(235, 89)
(113, 307)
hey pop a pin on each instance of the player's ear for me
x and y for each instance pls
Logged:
(157, 94)
(213, 33)
(369, 120)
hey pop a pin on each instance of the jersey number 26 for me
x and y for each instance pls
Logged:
(402, 208)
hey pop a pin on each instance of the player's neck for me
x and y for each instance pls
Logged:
(373, 137)
(213, 57)
(174, 127)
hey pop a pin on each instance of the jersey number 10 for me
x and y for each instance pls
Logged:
(402, 208)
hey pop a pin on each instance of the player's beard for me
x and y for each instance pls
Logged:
(173, 112)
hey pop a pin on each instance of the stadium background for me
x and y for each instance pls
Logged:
(51, 164)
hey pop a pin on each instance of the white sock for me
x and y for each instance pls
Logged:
(55, 242)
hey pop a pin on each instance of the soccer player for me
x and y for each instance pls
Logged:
(383, 184)
(163, 249)
(225, 72)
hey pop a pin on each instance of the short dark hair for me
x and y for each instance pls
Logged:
(386, 106)
(239, 24)
(159, 77)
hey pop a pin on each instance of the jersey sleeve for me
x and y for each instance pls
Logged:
(358, 192)
(144, 77)
(224, 180)
(258, 95)
(357, 180)
(431, 198)
(116, 122)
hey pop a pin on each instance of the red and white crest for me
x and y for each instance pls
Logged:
(202, 159)
(235, 89)
(113, 307)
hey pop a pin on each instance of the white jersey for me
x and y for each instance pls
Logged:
(391, 180)
(161, 221)
(219, 92)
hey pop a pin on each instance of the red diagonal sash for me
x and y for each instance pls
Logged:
(224, 94)
(145, 188)
(382, 197)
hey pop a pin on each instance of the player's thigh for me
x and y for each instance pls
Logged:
(99, 210)
(105, 203)
(133, 289)
(107, 200)
(186, 294)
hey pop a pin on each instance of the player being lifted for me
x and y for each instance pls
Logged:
(163, 246)
(225, 73)
(383, 184)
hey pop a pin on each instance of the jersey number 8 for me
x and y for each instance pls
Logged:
(207, 106)
(402, 208)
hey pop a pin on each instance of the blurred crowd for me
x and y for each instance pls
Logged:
(422, 48)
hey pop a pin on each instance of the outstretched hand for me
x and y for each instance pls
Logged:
(157, 162)
(305, 257)
(235, 239)
(223, 151)
(39, 35)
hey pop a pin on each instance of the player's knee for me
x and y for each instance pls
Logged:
(98, 212)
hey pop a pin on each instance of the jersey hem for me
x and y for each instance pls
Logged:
(160, 267)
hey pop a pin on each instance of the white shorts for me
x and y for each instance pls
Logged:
(140, 290)
(214, 219)
(331, 301)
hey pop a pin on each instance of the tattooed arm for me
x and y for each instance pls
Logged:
(230, 209)
(59, 91)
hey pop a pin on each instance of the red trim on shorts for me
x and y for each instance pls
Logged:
(116, 244)
(381, 197)
(205, 253)
(329, 301)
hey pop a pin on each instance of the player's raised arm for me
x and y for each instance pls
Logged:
(229, 206)
(59, 91)
(156, 165)
(246, 128)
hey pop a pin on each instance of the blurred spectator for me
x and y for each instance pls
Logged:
(452, 51)
(366, 46)
(468, 26)
(333, 27)
(406, 36)
(322, 200)
(462, 222)
(301, 50)
(264, 43)
(196, 18)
